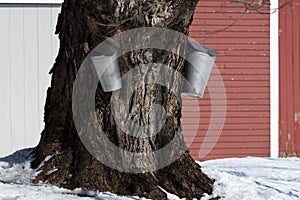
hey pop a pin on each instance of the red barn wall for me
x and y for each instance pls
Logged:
(244, 66)
(289, 66)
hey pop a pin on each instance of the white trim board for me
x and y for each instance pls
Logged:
(274, 80)
(31, 1)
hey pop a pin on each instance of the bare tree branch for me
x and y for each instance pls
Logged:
(252, 6)
(211, 33)
(259, 6)
(283, 5)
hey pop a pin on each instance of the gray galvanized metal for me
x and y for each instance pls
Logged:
(105, 61)
(197, 70)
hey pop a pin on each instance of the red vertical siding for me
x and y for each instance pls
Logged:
(244, 67)
(289, 64)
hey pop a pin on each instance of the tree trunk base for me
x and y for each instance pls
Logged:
(183, 178)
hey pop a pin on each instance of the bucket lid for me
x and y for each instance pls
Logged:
(192, 46)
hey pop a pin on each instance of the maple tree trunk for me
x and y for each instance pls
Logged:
(80, 27)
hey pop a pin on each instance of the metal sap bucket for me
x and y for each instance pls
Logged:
(105, 61)
(200, 61)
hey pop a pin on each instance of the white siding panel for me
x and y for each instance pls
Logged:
(31, 76)
(17, 80)
(27, 53)
(5, 115)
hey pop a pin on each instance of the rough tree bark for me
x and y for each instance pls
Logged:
(80, 25)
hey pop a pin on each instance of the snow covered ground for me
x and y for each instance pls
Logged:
(236, 179)
(255, 178)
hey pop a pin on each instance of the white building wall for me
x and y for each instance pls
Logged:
(28, 48)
